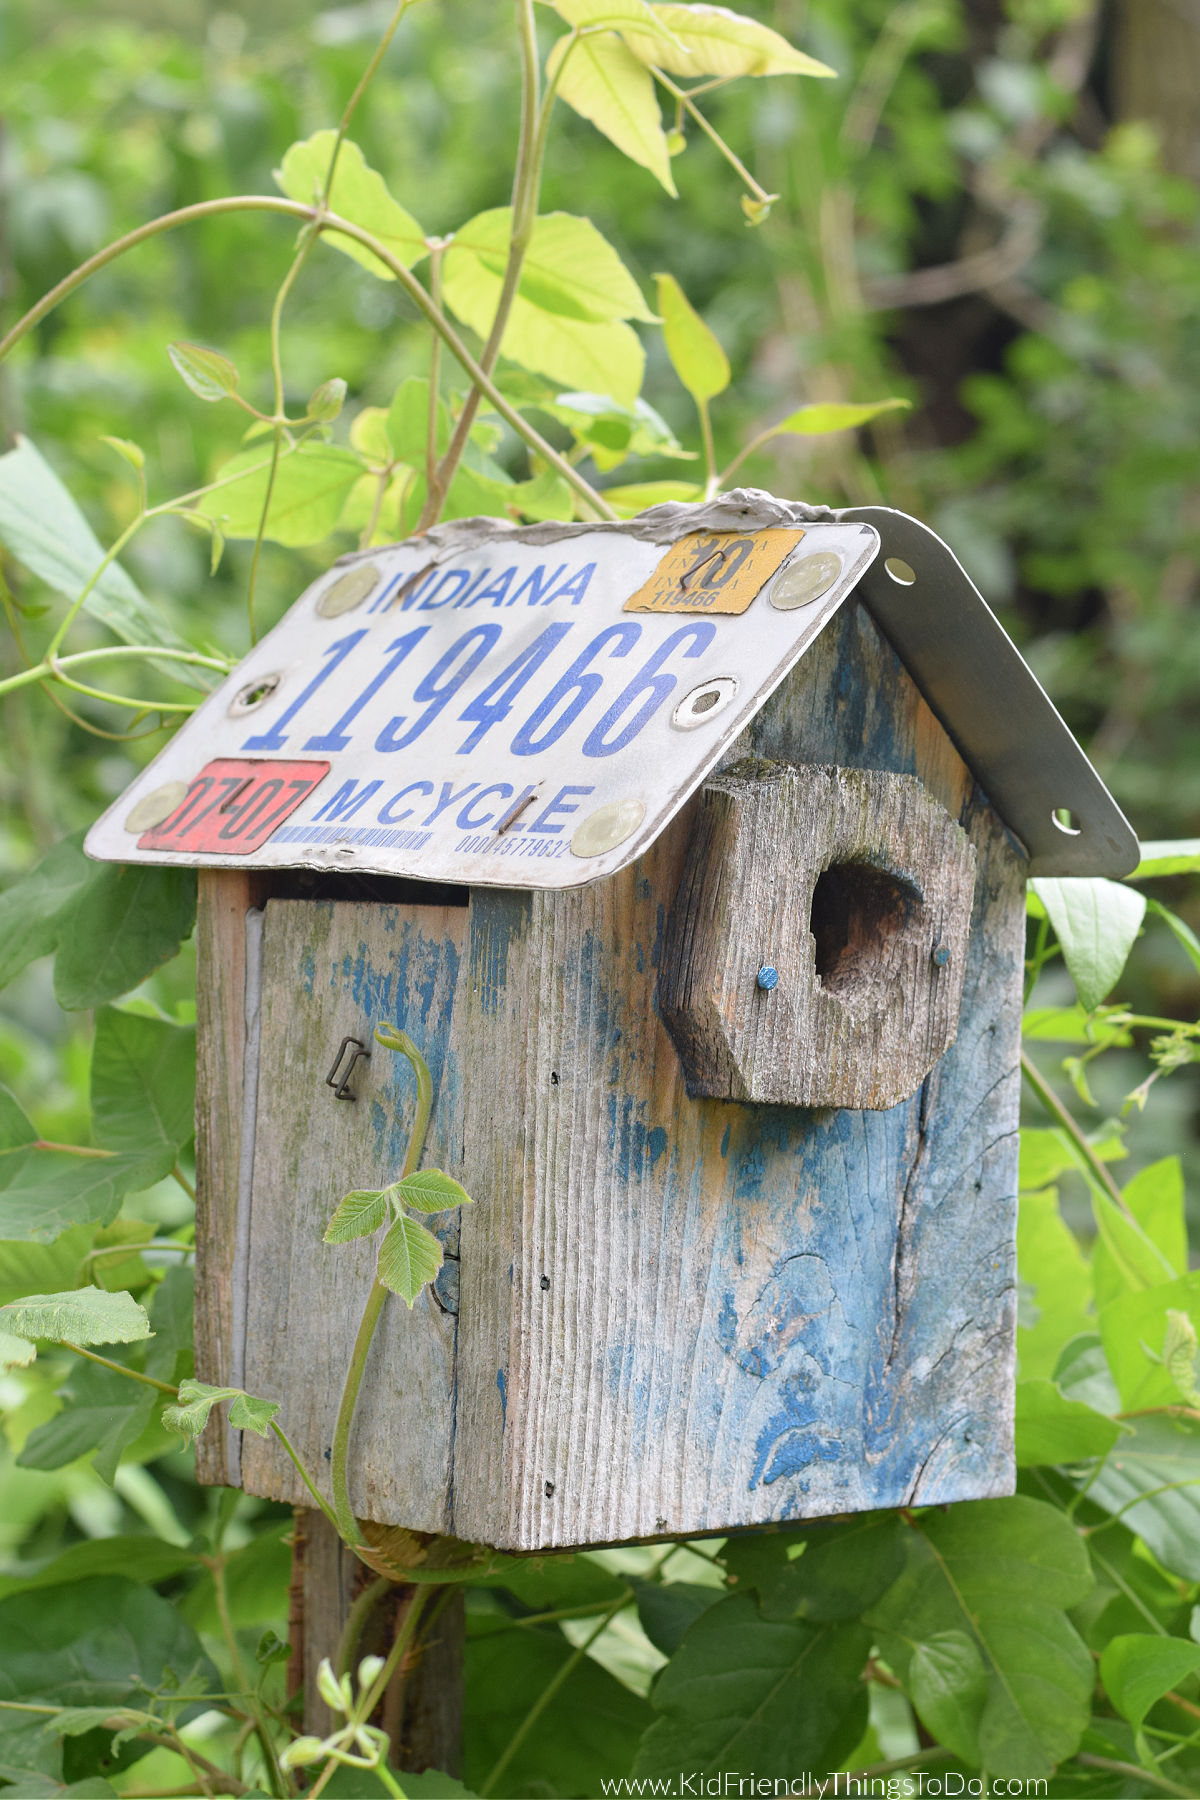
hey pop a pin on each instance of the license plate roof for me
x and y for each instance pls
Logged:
(513, 713)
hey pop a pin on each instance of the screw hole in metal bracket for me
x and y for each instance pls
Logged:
(253, 694)
(361, 1054)
(1066, 821)
(902, 573)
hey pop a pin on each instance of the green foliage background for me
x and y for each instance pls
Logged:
(990, 212)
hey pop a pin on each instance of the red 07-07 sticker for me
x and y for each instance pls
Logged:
(234, 804)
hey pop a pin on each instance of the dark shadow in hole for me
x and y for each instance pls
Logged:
(857, 912)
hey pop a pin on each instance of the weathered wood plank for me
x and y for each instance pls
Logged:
(685, 1315)
(332, 970)
(854, 887)
(422, 1708)
(224, 899)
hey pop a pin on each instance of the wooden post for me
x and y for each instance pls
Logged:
(422, 1709)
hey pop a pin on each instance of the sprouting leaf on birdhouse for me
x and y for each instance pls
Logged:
(197, 1399)
(410, 1257)
(430, 1191)
(359, 1215)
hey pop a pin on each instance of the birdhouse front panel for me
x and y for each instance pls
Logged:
(722, 1013)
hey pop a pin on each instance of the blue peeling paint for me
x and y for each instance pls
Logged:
(785, 1445)
(308, 971)
(502, 1384)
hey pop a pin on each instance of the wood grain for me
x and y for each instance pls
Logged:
(224, 899)
(332, 970)
(844, 882)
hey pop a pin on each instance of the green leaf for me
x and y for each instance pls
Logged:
(112, 926)
(1096, 922)
(17, 1137)
(824, 417)
(1052, 1429)
(715, 41)
(1137, 1670)
(360, 1214)
(430, 1191)
(948, 1685)
(568, 269)
(170, 1355)
(1056, 1286)
(326, 402)
(667, 1610)
(1168, 856)
(1155, 1198)
(53, 1193)
(1153, 1482)
(1180, 930)
(125, 924)
(635, 497)
(310, 489)
(410, 1256)
(611, 432)
(606, 84)
(1002, 1572)
(592, 1722)
(208, 374)
(359, 195)
(1133, 1328)
(600, 351)
(823, 1572)
(15, 1352)
(143, 1088)
(189, 1415)
(548, 1583)
(88, 1315)
(742, 1692)
(102, 1412)
(141, 1557)
(592, 14)
(104, 1641)
(406, 423)
(546, 496)
(32, 908)
(128, 451)
(46, 532)
(696, 355)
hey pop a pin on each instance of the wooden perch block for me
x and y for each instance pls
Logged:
(855, 887)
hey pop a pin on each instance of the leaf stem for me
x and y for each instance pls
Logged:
(710, 450)
(52, 666)
(327, 222)
(527, 181)
(548, 1692)
(347, 1524)
(1058, 1111)
(303, 1473)
(106, 1362)
(1132, 1771)
(216, 1567)
(417, 1606)
(710, 131)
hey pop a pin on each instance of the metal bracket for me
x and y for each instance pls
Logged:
(1002, 721)
(361, 1054)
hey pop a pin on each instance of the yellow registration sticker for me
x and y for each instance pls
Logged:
(714, 572)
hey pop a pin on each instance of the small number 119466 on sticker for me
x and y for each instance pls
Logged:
(233, 805)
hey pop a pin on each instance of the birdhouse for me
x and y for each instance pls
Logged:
(690, 852)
